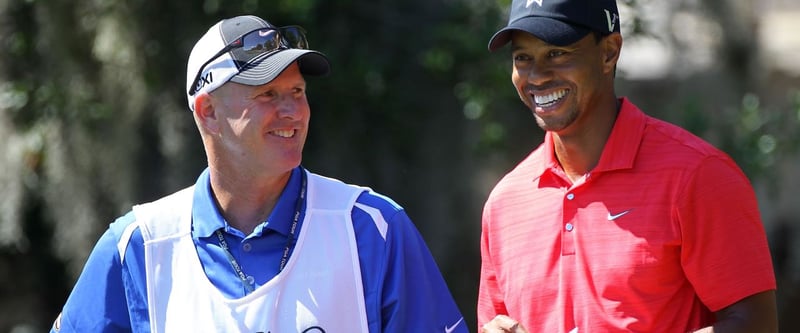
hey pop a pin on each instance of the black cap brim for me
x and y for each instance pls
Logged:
(264, 70)
(550, 30)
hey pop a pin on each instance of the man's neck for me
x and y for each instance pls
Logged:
(246, 202)
(579, 152)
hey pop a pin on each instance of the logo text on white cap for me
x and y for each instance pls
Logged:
(204, 80)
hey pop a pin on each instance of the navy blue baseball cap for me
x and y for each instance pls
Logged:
(558, 22)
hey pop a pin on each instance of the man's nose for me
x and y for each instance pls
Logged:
(539, 74)
(288, 106)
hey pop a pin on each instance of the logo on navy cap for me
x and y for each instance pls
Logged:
(611, 18)
(530, 2)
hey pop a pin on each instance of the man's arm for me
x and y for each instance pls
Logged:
(753, 314)
(725, 252)
(413, 295)
(491, 308)
(97, 302)
(422, 301)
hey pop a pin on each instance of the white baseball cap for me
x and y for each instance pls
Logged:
(248, 50)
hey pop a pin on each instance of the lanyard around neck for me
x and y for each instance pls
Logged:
(289, 242)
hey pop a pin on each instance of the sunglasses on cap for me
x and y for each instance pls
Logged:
(258, 42)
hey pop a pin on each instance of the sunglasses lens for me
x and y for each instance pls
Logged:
(295, 36)
(261, 41)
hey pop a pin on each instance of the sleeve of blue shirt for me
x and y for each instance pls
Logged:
(400, 273)
(98, 302)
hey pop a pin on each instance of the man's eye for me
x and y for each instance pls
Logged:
(521, 57)
(555, 53)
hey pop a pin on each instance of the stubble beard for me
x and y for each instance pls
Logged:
(556, 123)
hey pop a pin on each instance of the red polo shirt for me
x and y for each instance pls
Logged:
(664, 231)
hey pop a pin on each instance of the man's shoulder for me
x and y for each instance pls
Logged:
(118, 227)
(375, 211)
(671, 142)
(378, 202)
(370, 210)
(125, 231)
(126, 234)
(365, 196)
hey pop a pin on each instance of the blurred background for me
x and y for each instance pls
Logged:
(93, 117)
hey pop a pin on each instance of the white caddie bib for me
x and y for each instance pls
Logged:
(319, 291)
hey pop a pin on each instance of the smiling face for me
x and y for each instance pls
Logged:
(259, 130)
(562, 84)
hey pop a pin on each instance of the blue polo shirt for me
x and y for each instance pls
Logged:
(403, 288)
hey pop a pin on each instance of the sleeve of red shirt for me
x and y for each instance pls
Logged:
(725, 253)
(490, 297)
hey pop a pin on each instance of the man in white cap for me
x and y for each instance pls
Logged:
(258, 243)
(618, 222)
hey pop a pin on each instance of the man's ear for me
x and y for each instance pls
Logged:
(612, 45)
(205, 112)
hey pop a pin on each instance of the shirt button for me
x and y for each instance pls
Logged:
(569, 227)
(570, 196)
(247, 247)
(251, 279)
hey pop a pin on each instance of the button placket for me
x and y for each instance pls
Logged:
(567, 235)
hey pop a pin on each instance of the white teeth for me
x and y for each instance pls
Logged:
(284, 133)
(549, 99)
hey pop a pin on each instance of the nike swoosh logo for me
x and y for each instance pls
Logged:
(616, 216)
(450, 329)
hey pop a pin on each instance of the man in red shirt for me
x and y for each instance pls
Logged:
(618, 222)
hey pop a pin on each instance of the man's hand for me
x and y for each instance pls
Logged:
(503, 324)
